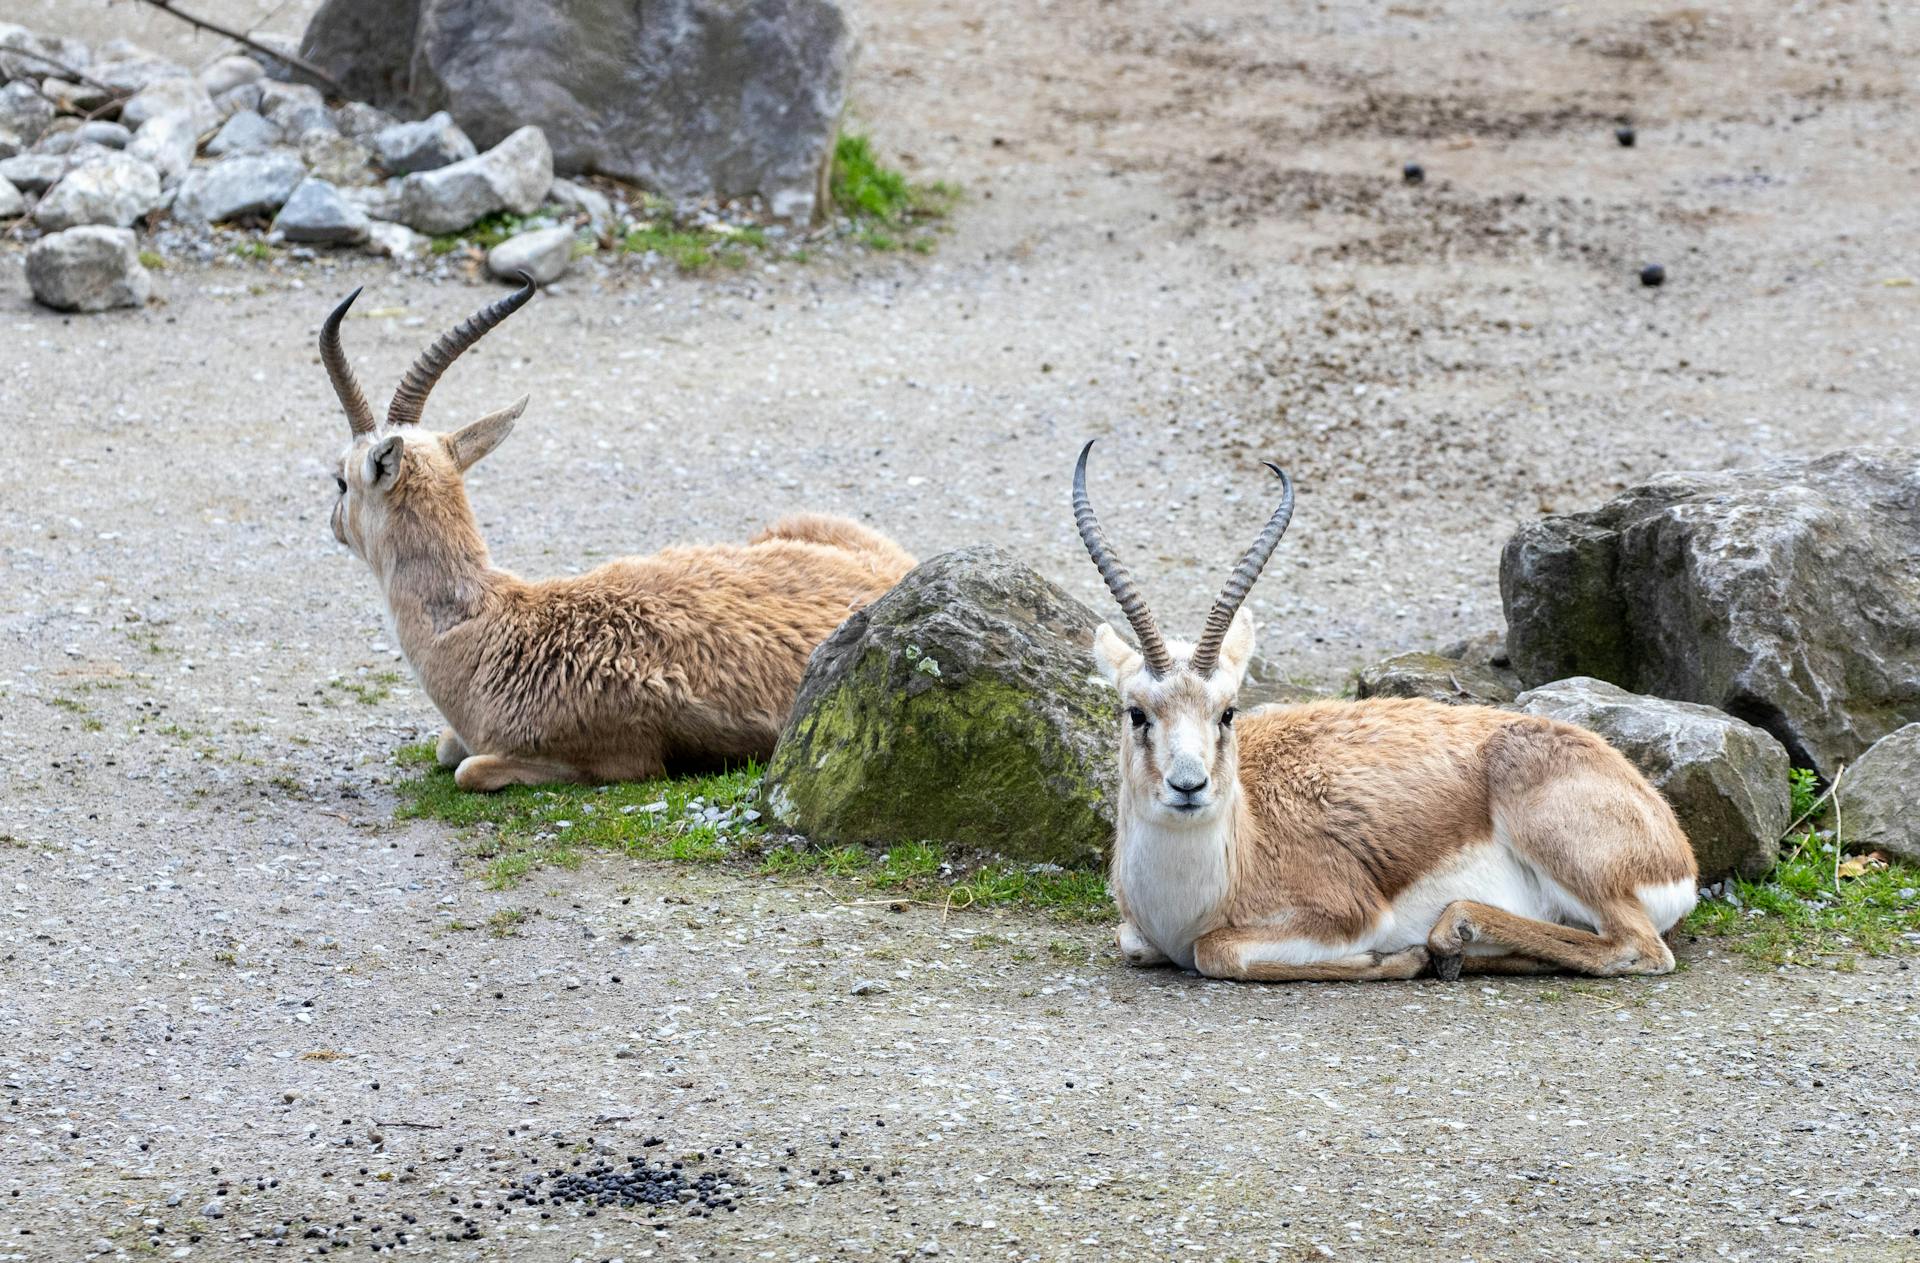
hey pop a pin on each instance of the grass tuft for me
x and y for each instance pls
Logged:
(1816, 906)
(888, 211)
(713, 819)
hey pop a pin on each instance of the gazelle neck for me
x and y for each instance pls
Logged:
(1175, 878)
(434, 569)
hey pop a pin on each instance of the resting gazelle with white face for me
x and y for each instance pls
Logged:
(1372, 839)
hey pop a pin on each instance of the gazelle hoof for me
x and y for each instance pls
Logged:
(1447, 968)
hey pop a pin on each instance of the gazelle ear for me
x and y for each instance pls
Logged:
(1114, 656)
(383, 461)
(472, 441)
(1236, 650)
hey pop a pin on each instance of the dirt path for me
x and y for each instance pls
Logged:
(1184, 233)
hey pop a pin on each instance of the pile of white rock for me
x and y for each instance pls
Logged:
(96, 143)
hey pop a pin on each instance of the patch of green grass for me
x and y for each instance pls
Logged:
(368, 690)
(153, 260)
(693, 249)
(1816, 906)
(889, 211)
(505, 923)
(256, 250)
(485, 233)
(521, 830)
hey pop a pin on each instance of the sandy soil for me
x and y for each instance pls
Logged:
(222, 967)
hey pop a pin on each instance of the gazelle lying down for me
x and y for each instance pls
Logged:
(691, 655)
(1356, 840)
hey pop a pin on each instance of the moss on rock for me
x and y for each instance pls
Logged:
(961, 708)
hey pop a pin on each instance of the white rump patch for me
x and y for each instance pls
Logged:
(1666, 902)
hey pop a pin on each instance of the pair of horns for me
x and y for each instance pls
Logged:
(411, 398)
(1206, 654)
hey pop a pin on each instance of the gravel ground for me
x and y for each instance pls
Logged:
(237, 1002)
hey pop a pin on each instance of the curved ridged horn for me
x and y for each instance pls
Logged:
(411, 398)
(1206, 655)
(345, 384)
(1119, 582)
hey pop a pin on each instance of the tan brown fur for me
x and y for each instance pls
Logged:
(690, 656)
(1361, 840)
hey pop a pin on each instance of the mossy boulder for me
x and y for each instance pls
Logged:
(1786, 595)
(1725, 779)
(1430, 675)
(961, 708)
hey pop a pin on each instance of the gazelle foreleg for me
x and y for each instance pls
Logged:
(451, 749)
(1251, 956)
(1630, 944)
(1134, 946)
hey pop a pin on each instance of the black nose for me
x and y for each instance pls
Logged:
(1194, 788)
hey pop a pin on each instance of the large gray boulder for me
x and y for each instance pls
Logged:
(110, 187)
(1726, 780)
(1878, 797)
(249, 183)
(1788, 595)
(960, 708)
(688, 97)
(88, 269)
(514, 176)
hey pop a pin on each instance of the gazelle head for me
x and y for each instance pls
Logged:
(400, 470)
(1177, 753)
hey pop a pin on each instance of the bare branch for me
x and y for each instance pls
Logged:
(299, 63)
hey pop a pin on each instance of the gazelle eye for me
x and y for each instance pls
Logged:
(1226, 717)
(341, 483)
(1138, 716)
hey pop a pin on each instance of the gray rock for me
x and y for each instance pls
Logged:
(170, 142)
(690, 97)
(101, 132)
(17, 41)
(1878, 794)
(88, 269)
(869, 986)
(130, 69)
(75, 98)
(229, 73)
(514, 175)
(362, 121)
(12, 203)
(110, 188)
(427, 145)
(1787, 595)
(1726, 780)
(393, 241)
(1430, 675)
(171, 96)
(579, 199)
(961, 707)
(317, 213)
(245, 97)
(379, 201)
(59, 137)
(295, 109)
(544, 254)
(33, 172)
(334, 157)
(24, 113)
(1267, 683)
(244, 130)
(239, 184)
